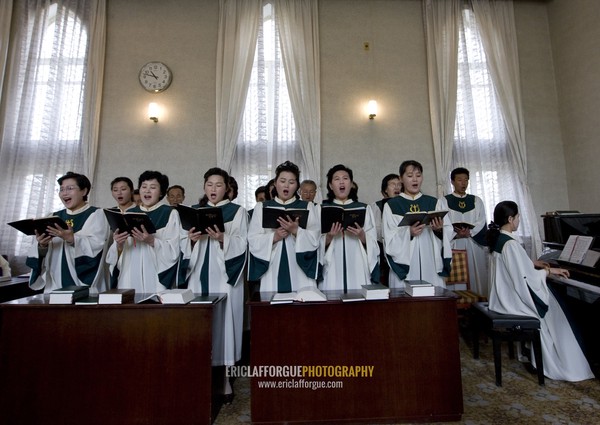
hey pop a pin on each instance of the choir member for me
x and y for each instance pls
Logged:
(74, 256)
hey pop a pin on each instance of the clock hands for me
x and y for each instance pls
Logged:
(150, 74)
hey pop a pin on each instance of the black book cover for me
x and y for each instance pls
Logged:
(347, 217)
(424, 217)
(127, 221)
(30, 225)
(270, 216)
(201, 218)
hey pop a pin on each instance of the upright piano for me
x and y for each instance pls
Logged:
(580, 293)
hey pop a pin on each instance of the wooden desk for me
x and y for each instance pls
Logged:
(119, 364)
(17, 287)
(412, 343)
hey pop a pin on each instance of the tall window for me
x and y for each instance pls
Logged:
(44, 113)
(480, 137)
(268, 135)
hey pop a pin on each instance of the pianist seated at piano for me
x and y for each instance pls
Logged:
(517, 287)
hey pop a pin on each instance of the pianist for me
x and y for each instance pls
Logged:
(518, 288)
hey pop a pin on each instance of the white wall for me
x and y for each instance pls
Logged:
(183, 34)
(575, 35)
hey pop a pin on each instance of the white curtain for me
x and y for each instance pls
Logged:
(271, 133)
(5, 18)
(299, 35)
(441, 22)
(499, 37)
(50, 106)
(238, 31)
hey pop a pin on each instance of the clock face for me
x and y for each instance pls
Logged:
(155, 76)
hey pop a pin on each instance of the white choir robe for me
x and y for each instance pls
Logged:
(477, 254)
(423, 257)
(514, 279)
(225, 268)
(145, 268)
(362, 263)
(85, 258)
(302, 249)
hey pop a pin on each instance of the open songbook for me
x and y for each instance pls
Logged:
(30, 225)
(423, 217)
(201, 218)
(128, 221)
(347, 217)
(271, 214)
(305, 294)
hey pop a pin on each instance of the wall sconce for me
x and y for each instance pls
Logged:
(153, 111)
(372, 109)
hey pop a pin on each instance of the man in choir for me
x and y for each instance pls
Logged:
(176, 195)
(74, 256)
(467, 214)
(308, 190)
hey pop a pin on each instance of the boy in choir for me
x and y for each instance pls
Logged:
(122, 192)
(350, 257)
(74, 256)
(146, 261)
(215, 264)
(176, 195)
(390, 188)
(308, 190)
(420, 251)
(465, 210)
(517, 287)
(284, 259)
(260, 195)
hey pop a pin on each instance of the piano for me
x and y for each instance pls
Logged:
(580, 293)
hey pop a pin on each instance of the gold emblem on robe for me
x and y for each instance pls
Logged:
(415, 208)
(462, 205)
(69, 222)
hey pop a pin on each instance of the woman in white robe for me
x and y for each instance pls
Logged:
(214, 262)
(350, 257)
(74, 256)
(417, 252)
(147, 262)
(284, 259)
(519, 288)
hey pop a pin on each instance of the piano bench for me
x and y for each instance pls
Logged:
(506, 327)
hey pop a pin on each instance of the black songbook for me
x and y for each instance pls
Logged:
(128, 221)
(30, 225)
(270, 216)
(347, 217)
(424, 217)
(201, 218)
(463, 225)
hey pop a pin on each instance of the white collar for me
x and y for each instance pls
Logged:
(80, 210)
(346, 202)
(218, 204)
(289, 201)
(409, 197)
(155, 206)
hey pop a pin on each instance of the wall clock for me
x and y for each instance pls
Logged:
(155, 77)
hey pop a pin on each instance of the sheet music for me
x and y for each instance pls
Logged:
(576, 248)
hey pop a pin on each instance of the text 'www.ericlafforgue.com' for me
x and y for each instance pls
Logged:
(300, 384)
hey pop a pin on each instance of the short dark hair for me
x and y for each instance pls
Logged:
(457, 171)
(176, 186)
(406, 164)
(126, 180)
(82, 182)
(340, 167)
(161, 178)
(386, 180)
(259, 190)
